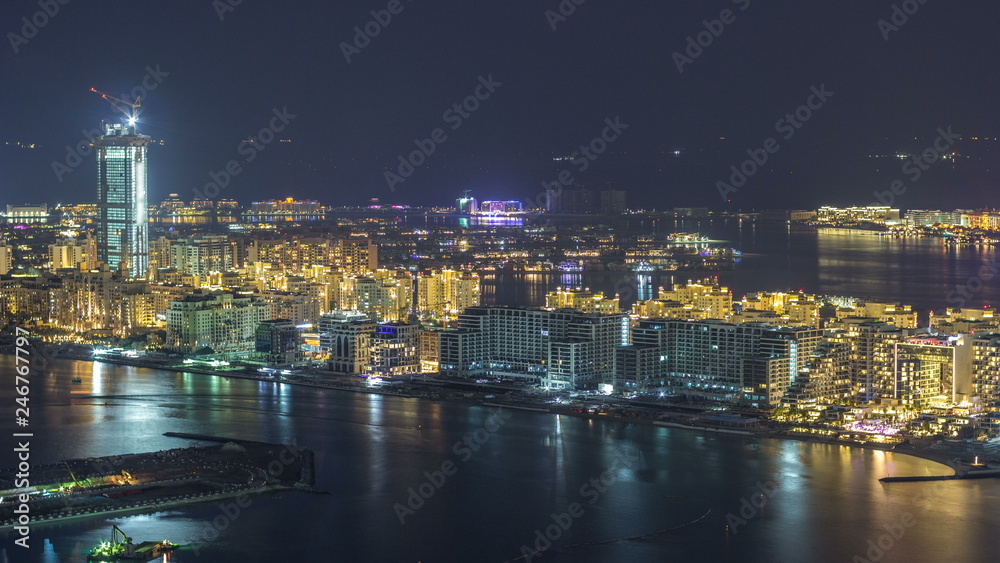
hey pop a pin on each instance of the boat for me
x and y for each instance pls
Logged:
(121, 548)
(77, 380)
(164, 546)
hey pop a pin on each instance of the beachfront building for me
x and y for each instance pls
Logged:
(933, 369)
(871, 345)
(462, 352)
(347, 337)
(561, 349)
(878, 214)
(278, 343)
(752, 363)
(824, 380)
(100, 302)
(394, 350)
(986, 368)
(222, 321)
(925, 217)
(637, 368)
(429, 350)
(642, 366)
(584, 356)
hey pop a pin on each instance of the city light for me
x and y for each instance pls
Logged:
(525, 215)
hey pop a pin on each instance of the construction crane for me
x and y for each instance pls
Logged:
(68, 468)
(130, 109)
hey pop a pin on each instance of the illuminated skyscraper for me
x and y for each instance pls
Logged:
(122, 215)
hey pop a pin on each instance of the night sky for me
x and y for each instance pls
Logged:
(607, 59)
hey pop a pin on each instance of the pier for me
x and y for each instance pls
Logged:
(982, 474)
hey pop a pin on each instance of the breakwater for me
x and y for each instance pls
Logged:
(144, 482)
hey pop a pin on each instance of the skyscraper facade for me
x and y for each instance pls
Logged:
(122, 216)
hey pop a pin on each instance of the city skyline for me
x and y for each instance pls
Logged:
(665, 157)
(21, 210)
(519, 281)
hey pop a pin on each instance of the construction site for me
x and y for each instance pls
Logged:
(138, 482)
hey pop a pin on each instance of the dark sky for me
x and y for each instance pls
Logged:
(608, 59)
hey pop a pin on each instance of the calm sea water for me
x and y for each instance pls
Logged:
(826, 506)
(922, 272)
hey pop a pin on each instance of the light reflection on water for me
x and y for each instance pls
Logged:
(922, 272)
(370, 454)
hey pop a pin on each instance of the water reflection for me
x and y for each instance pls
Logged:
(828, 501)
(917, 271)
(571, 281)
(97, 378)
(645, 287)
(192, 220)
